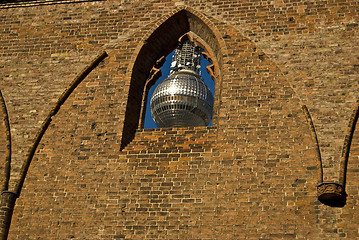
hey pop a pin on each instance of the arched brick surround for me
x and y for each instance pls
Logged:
(154, 49)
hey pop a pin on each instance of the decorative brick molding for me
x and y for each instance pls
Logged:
(331, 194)
(346, 147)
(5, 118)
(6, 209)
(316, 142)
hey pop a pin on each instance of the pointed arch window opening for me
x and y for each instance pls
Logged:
(145, 70)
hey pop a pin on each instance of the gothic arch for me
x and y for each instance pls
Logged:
(151, 55)
(8, 198)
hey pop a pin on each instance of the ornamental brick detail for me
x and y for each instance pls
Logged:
(332, 194)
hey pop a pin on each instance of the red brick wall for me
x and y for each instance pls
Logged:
(252, 175)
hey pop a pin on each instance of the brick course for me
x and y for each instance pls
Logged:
(252, 175)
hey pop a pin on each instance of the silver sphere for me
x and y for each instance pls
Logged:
(182, 99)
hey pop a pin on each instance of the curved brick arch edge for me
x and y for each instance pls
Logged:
(332, 193)
(6, 123)
(328, 193)
(316, 142)
(8, 198)
(149, 57)
(347, 143)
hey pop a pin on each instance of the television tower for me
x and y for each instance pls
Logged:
(183, 99)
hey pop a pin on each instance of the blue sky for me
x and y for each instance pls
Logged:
(149, 123)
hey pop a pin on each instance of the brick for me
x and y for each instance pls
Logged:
(251, 175)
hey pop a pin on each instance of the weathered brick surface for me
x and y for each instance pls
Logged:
(252, 175)
(3, 149)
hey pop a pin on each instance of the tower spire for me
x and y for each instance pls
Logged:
(187, 57)
(183, 99)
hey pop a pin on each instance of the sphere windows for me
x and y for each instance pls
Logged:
(165, 69)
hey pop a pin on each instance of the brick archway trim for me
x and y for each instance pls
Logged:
(156, 44)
